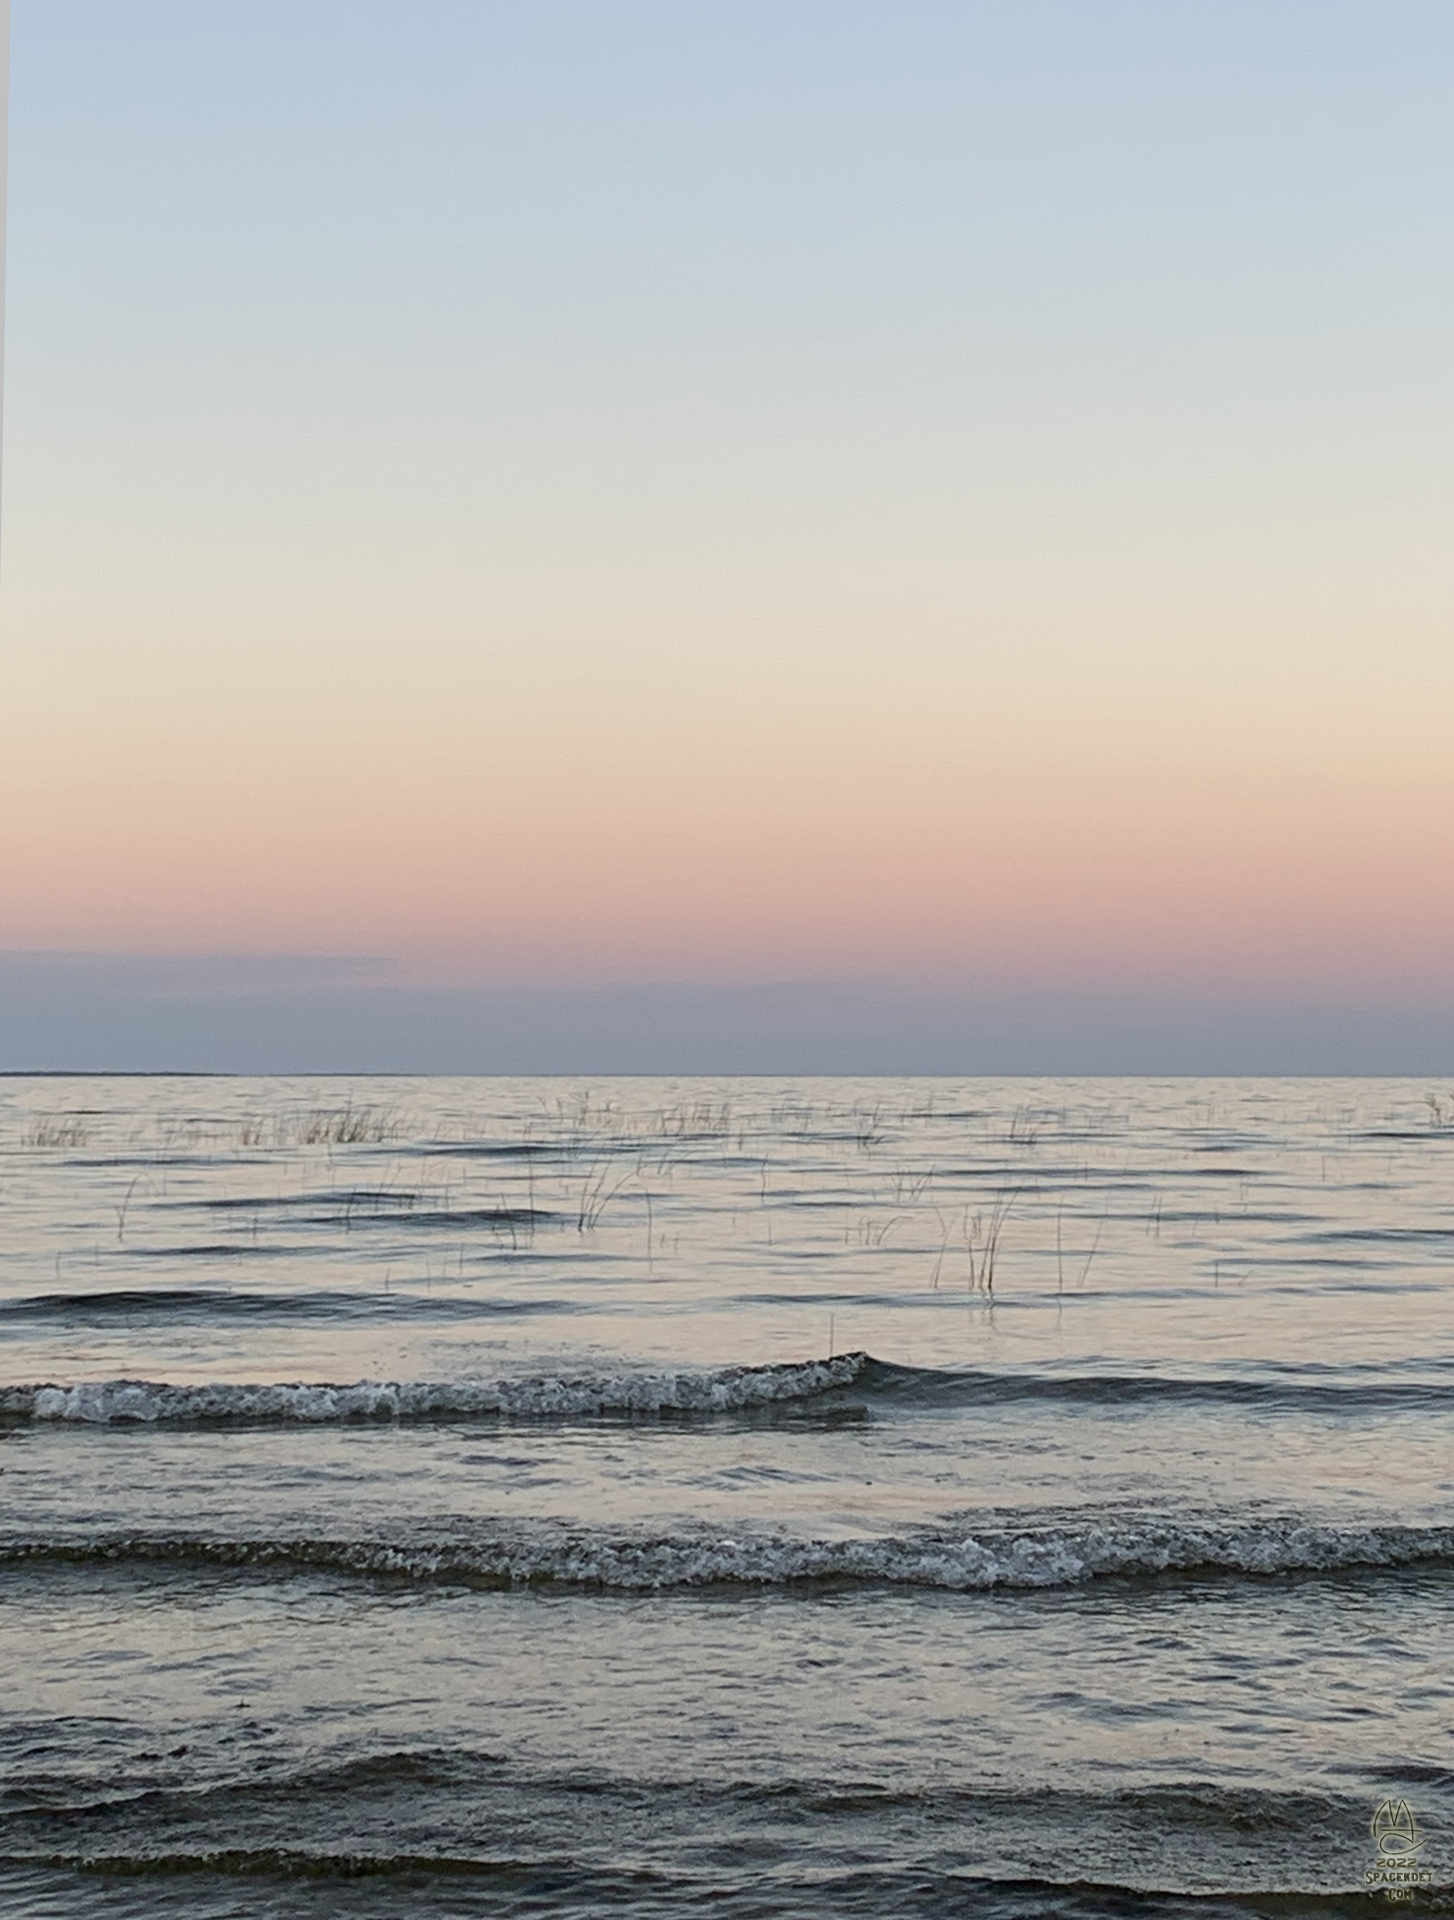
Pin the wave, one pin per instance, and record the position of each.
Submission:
(437, 1886)
(452, 1827)
(855, 1377)
(151, 1403)
(1330, 1389)
(945, 1559)
(437, 1769)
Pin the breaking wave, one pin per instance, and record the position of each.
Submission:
(681, 1391)
(150, 1403)
(950, 1560)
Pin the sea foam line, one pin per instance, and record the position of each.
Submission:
(585, 1559)
(150, 1403)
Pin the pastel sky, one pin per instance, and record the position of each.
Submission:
(580, 494)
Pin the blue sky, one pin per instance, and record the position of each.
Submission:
(934, 501)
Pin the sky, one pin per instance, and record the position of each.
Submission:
(554, 533)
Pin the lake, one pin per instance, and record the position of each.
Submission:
(643, 1497)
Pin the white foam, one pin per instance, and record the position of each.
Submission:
(963, 1562)
(1041, 1558)
(102, 1403)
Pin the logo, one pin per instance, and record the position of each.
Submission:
(1396, 1832)
(1397, 1843)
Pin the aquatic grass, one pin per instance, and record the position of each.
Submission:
(814, 1185)
(347, 1126)
(65, 1130)
(873, 1232)
(982, 1234)
(277, 1132)
(598, 1190)
(125, 1208)
(803, 1120)
(1095, 1247)
(703, 1120)
(910, 1187)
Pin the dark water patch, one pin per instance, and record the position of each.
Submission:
(147, 1162)
(1321, 1263)
(466, 1217)
(488, 1150)
(1421, 1136)
(216, 1250)
(1226, 1217)
(1381, 1236)
(1073, 1173)
(832, 1136)
(895, 1299)
(1339, 1277)
(334, 1199)
(371, 1207)
(200, 1303)
(121, 1303)
(1403, 1773)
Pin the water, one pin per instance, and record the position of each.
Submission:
(454, 1497)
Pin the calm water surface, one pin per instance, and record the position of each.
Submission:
(645, 1497)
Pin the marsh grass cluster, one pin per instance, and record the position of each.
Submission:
(57, 1130)
(993, 1198)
